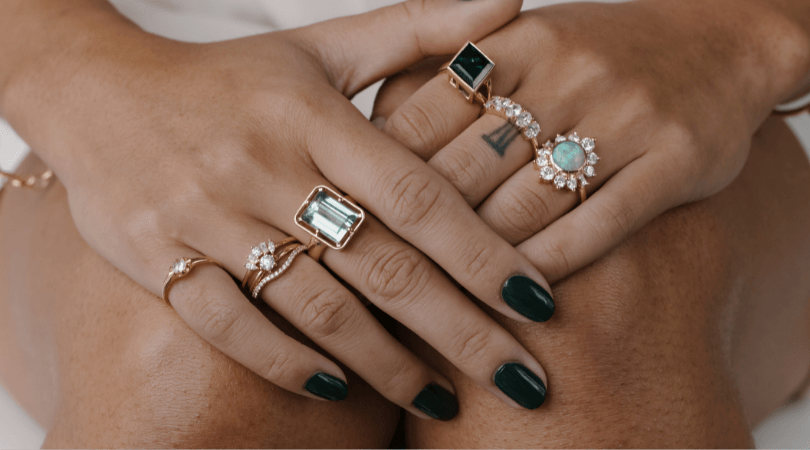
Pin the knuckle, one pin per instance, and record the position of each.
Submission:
(619, 215)
(396, 273)
(461, 168)
(522, 211)
(278, 366)
(414, 126)
(412, 198)
(327, 312)
(217, 320)
(471, 344)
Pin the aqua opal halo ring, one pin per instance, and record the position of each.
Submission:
(469, 73)
(567, 162)
(330, 218)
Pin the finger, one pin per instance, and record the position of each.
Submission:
(398, 88)
(209, 301)
(524, 204)
(423, 208)
(315, 303)
(634, 196)
(404, 283)
(365, 48)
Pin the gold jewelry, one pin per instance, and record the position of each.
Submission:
(181, 268)
(330, 218)
(567, 162)
(469, 71)
(795, 107)
(514, 114)
(40, 181)
(264, 258)
(315, 249)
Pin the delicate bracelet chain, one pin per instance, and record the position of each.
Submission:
(40, 181)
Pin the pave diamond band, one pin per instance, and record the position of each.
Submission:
(266, 257)
(181, 268)
(514, 114)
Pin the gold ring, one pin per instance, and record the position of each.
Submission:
(567, 162)
(469, 71)
(266, 257)
(181, 268)
(514, 114)
(330, 218)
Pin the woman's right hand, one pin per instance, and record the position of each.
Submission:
(172, 150)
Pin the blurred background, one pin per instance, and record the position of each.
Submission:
(213, 20)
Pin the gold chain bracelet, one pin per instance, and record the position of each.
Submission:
(40, 181)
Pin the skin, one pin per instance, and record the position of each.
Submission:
(629, 368)
(666, 123)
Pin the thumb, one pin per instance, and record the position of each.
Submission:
(358, 50)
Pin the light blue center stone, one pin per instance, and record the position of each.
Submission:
(330, 216)
(568, 156)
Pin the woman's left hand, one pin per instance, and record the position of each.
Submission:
(672, 92)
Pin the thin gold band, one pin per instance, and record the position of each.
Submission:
(189, 265)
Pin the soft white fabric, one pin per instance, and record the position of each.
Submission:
(213, 20)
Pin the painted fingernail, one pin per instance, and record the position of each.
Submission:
(437, 402)
(521, 385)
(327, 386)
(528, 298)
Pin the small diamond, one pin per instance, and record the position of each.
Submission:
(524, 119)
(499, 103)
(592, 158)
(263, 247)
(250, 266)
(574, 137)
(179, 266)
(559, 181)
(488, 104)
(513, 110)
(532, 130)
(583, 181)
(589, 171)
(256, 252)
(588, 144)
(271, 247)
(542, 160)
(267, 262)
(253, 259)
(547, 173)
(572, 184)
(559, 139)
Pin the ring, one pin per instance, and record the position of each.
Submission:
(264, 258)
(567, 162)
(181, 268)
(515, 114)
(469, 71)
(330, 218)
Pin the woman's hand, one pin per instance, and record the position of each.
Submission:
(172, 150)
(671, 91)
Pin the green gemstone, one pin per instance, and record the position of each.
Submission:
(471, 66)
(327, 214)
(568, 156)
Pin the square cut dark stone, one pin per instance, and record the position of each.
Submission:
(471, 66)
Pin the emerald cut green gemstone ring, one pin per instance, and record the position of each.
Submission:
(329, 217)
(469, 71)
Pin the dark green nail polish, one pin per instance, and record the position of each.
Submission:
(528, 298)
(437, 402)
(326, 386)
(521, 385)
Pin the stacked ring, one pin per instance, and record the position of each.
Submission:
(181, 268)
(264, 258)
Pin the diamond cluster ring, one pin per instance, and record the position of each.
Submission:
(181, 268)
(268, 261)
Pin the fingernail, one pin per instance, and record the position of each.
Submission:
(528, 298)
(437, 402)
(327, 386)
(521, 385)
(378, 122)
